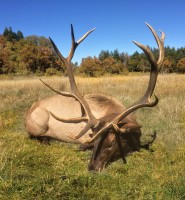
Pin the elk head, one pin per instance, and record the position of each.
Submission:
(116, 136)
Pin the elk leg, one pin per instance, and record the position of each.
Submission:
(42, 139)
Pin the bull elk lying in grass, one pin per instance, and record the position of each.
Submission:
(93, 120)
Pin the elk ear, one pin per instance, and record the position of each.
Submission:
(129, 127)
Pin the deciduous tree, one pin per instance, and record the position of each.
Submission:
(181, 65)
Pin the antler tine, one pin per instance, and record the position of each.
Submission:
(160, 43)
(145, 101)
(58, 52)
(71, 120)
(67, 63)
(67, 94)
(70, 56)
(75, 44)
(85, 35)
(153, 72)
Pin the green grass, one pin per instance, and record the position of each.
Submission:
(29, 170)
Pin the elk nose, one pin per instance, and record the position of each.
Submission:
(94, 167)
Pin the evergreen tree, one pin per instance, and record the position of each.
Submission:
(103, 55)
(19, 35)
(6, 32)
(9, 34)
(115, 55)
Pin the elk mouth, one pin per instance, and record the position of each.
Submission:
(96, 167)
(99, 166)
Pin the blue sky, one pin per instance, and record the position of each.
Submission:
(117, 22)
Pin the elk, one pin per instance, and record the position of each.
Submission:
(94, 120)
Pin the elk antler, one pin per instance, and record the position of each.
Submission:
(145, 101)
(92, 122)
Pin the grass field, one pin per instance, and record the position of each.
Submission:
(29, 170)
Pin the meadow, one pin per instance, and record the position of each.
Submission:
(29, 170)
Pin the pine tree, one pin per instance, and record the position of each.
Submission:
(19, 35)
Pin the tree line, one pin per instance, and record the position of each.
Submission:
(24, 55)
(34, 54)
